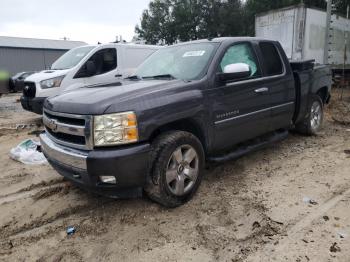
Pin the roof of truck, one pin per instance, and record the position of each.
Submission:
(239, 38)
(230, 39)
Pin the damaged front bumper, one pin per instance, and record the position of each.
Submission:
(129, 165)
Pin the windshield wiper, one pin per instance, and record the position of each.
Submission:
(133, 77)
(160, 76)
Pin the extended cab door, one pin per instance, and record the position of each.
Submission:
(105, 62)
(280, 83)
(241, 108)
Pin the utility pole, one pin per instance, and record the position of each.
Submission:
(328, 36)
(346, 36)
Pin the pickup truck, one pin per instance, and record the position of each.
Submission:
(187, 104)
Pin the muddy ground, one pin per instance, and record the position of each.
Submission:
(251, 209)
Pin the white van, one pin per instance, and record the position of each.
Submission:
(81, 66)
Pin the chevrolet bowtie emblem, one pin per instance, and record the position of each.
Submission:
(52, 125)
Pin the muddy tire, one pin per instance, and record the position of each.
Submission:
(177, 164)
(312, 123)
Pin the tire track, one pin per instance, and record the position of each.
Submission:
(295, 230)
(17, 238)
(28, 192)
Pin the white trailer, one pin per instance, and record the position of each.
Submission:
(302, 33)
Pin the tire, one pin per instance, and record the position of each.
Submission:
(12, 87)
(312, 123)
(177, 165)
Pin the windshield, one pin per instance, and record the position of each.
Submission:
(71, 58)
(17, 75)
(186, 62)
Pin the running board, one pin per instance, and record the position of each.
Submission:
(252, 146)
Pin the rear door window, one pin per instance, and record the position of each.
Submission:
(271, 58)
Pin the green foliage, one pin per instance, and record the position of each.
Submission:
(169, 21)
(4, 75)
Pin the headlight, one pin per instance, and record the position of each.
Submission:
(115, 129)
(53, 82)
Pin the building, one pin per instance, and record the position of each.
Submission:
(29, 54)
(302, 33)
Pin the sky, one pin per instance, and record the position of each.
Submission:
(80, 20)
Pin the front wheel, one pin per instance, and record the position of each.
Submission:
(177, 161)
(314, 117)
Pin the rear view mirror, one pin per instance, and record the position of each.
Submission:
(235, 72)
(91, 68)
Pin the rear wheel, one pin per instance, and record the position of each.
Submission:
(177, 168)
(314, 117)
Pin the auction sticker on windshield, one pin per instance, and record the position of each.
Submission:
(194, 53)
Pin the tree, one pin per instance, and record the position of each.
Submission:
(341, 6)
(182, 20)
(186, 17)
(157, 23)
(169, 21)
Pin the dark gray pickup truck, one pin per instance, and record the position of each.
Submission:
(208, 100)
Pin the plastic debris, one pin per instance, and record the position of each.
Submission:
(334, 248)
(342, 235)
(28, 152)
(309, 201)
(70, 230)
(256, 225)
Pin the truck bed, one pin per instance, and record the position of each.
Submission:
(308, 79)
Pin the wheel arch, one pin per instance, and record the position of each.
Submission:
(187, 124)
(323, 94)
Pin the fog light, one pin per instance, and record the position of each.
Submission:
(108, 179)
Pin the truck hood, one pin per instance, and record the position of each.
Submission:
(46, 74)
(126, 95)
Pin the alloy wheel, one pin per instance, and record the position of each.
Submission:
(182, 170)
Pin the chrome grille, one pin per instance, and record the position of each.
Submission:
(70, 130)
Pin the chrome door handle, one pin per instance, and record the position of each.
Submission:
(261, 90)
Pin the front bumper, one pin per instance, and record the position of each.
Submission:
(33, 104)
(128, 164)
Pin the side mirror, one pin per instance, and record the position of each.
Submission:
(91, 68)
(235, 72)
